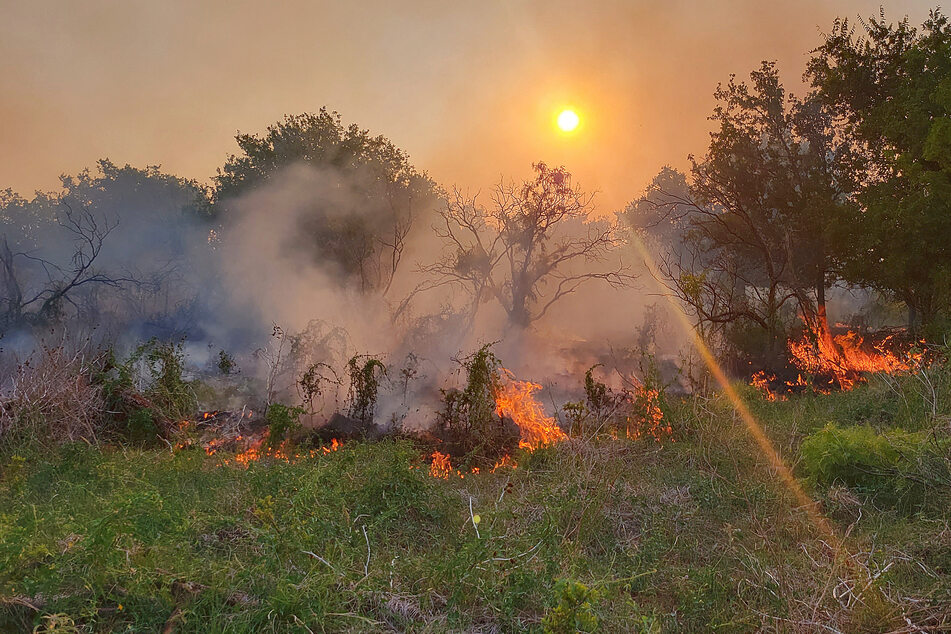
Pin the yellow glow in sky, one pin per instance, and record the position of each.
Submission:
(568, 120)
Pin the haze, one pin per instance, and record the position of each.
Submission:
(468, 89)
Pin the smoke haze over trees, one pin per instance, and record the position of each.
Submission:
(795, 197)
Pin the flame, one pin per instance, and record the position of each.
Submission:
(506, 461)
(514, 399)
(441, 466)
(845, 357)
(842, 359)
(763, 381)
(649, 419)
(255, 450)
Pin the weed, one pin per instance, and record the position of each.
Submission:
(364, 386)
(896, 467)
(226, 364)
(574, 611)
(283, 424)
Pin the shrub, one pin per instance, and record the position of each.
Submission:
(574, 611)
(148, 390)
(469, 419)
(364, 386)
(312, 383)
(53, 396)
(283, 422)
(635, 411)
(896, 467)
(163, 377)
(226, 363)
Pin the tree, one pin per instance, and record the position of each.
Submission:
(366, 240)
(116, 228)
(750, 232)
(533, 246)
(25, 303)
(889, 86)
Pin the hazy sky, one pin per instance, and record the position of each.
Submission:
(469, 89)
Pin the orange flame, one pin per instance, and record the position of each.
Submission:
(255, 451)
(842, 358)
(441, 466)
(846, 357)
(649, 419)
(514, 399)
(506, 461)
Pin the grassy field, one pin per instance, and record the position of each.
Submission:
(595, 533)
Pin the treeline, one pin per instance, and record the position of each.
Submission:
(153, 237)
(848, 185)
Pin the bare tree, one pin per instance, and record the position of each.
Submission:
(26, 301)
(533, 246)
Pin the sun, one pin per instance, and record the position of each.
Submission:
(568, 120)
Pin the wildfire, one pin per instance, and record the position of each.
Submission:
(506, 461)
(839, 359)
(441, 466)
(650, 419)
(845, 357)
(514, 399)
(334, 446)
(255, 449)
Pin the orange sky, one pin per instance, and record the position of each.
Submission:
(469, 89)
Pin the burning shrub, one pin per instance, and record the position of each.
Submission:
(469, 420)
(54, 396)
(633, 411)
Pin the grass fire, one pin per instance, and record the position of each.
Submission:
(585, 333)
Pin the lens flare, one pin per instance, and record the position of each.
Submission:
(769, 451)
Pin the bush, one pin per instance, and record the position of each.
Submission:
(895, 467)
(635, 412)
(147, 392)
(53, 396)
(226, 364)
(364, 386)
(469, 419)
(283, 422)
(574, 611)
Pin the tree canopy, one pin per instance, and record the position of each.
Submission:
(889, 86)
(387, 194)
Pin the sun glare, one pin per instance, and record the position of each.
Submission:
(568, 120)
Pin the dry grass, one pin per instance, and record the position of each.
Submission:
(52, 396)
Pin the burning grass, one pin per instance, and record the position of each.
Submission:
(515, 400)
(244, 524)
(823, 361)
(691, 536)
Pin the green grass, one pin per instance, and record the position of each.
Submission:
(695, 535)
